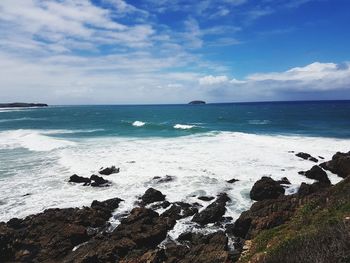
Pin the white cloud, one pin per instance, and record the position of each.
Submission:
(213, 80)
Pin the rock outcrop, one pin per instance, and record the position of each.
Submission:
(340, 164)
(109, 170)
(266, 188)
(213, 212)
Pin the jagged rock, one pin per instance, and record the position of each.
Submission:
(313, 159)
(206, 198)
(180, 210)
(266, 188)
(340, 164)
(213, 212)
(109, 170)
(98, 181)
(264, 214)
(284, 180)
(152, 195)
(233, 180)
(52, 234)
(79, 179)
(163, 205)
(316, 173)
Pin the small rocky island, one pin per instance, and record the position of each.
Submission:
(197, 102)
(22, 105)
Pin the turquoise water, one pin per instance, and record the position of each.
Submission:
(328, 119)
(202, 146)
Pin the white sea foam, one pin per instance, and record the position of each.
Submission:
(183, 126)
(138, 123)
(31, 140)
(201, 165)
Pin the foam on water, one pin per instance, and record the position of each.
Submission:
(31, 140)
(138, 123)
(183, 126)
(201, 165)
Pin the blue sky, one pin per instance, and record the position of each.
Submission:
(162, 51)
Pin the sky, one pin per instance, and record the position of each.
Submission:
(173, 51)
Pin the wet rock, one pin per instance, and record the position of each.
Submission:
(233, 180)
(180, 210)
(163, 205)
(166, 179)
(316, 173)
(307, 156)
(340, 164)
(109, 170)
(213, 212)
(266, 188)
(98, 181)
(206, 198)
(284, 180)
(313, 159)
(152, 195)
(51, 235)
(303, 155)
(79, 179)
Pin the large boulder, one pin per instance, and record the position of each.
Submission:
(152, 195)
(213, 212)
(316, 173)
(340, 164)
(266, 188)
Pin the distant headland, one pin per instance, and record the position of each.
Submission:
(196, 102)
(21, 105)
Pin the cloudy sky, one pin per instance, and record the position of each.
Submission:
(173, 51)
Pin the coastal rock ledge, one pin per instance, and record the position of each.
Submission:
(312, 225)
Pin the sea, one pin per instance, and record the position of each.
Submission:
(201, 146)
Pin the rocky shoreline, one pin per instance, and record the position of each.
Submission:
(312, 225)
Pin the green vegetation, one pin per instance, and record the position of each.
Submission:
(318, 232)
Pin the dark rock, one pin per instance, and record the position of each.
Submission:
(152, 195)
(321, 157)
(302, 155)
(340, 164)
(109, 170)
(266, 188)
(163, 205)
(166, 179)
(284, 180)
(180, 210)
(213, 212)
(313, 159)
(316, 173)
(98, 181)
(206, 198)
(264, 214)
(51, 235)
(232, 181)
(79, 179)
(308, 189)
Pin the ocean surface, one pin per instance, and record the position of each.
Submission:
(202, 146)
